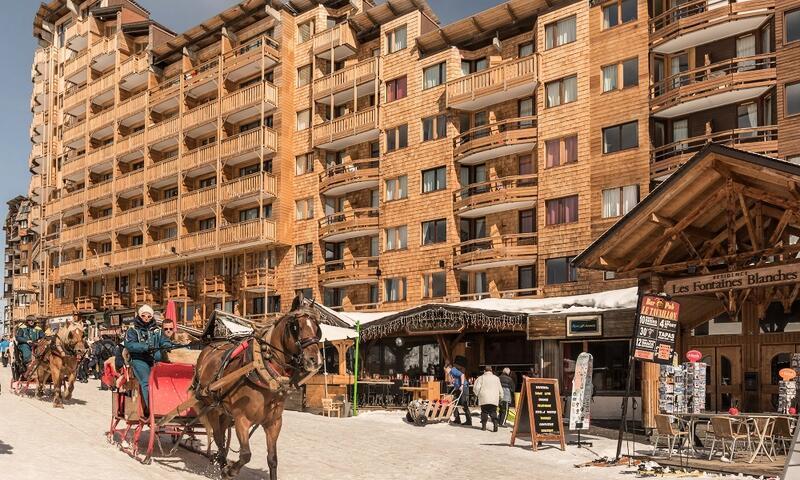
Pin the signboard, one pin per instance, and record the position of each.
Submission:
(539, 412)
(724, 281)
(656, 329)
(585, 326)
(581, 399)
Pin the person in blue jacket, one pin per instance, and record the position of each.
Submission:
(26, 338)
(461, 384)
(145, 343)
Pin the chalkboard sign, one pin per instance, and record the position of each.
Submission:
(656, 329)
(539, 412)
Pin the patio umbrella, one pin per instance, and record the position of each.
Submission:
(171, 312)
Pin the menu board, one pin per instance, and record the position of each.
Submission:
(539, 413)
(656, 329)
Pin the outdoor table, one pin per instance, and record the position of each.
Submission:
(761, 433)
(416, 391)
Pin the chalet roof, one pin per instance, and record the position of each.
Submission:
(372, 18)
(508, 16)
(51, 12)
(686, 219)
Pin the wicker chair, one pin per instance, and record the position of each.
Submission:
(729, 430)
(674, 429)
(782, 432)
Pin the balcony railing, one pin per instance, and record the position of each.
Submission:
(257, 183)
(73, 165)
(179, 290)
(97, 155)
(349, 272)
(162, 169)
(350, 223)
(667, 158)
(340, 38)
(75, 95)
(162, 248)
(166, 88)
(345, 126)
(144, 295)
(162, 208)
(708, 80)
(506, 193)
(249, 96)
(75, 64)
(73, 199)
(101, 119)
(101, 189)
(114, 300)
(102, 84)
(476, 89)
(87, 304)
(194, 242)
(129, 217)
(215, 286)
(106, 45)
(249, 231)
(500, 138)
(200, 156)
(163, 129)
(203, 113)
(132, 105)
(130, 143)
(249, 141)
(694, 15)
(128, 256)
(204, 197)
(22, 283)
(99, 226)
(75, 131)
(346, 78)
(348, 177)
(134, 64)
(258, 279)
(505, 250)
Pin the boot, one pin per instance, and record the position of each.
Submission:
(494, 426)
(483, 426)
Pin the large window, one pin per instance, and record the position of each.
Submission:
(619, 201)
(793, 98)
(629, 78)
(303, 119)
(304, 163)
(562, 91)
(304, 254)
(396, 238)
(304, 75)
(396, 89)
(434, 128)
(621, 137)
(394, 289)
(560, 270)
(396, 39)
(397, 188)
(305, 31)
(434, 285)
(561, 151)
(434, 179)
(304, 209)
(562, 210)
(609, 364)
(396, 138)
(434, 75)
(792, 23)
(559, 33)
(620, 11)
(434, 231)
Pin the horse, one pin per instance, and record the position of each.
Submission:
(58, 359)
(289, 355)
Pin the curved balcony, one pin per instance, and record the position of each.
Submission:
(698, 22)
(258, 280)
(338, 180)
(507, 81)
(505, 137)
(347, 130)
(500, 195)
(713, 85)
(494, 252)
(354, 271)
(667, 158)
(358, 222)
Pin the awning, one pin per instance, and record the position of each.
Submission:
(59, 320)
(330, 333)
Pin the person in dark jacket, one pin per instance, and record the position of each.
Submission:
(509, 387)
(461, 392)
(145, 343)
(26, 338)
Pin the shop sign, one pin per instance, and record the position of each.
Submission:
(724, 281)
(585, 326)
(656, 329)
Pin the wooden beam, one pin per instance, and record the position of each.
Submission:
(757, 194)
(785, 218)
(511, 13)
(666, 222)
(663, 252)
(748, 222)
(477, 25)
(391, 7)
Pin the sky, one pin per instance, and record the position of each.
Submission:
(16, 26)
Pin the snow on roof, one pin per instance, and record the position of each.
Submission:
(625, 298)
(330, 332)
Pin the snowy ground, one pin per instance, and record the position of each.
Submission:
(37, 440)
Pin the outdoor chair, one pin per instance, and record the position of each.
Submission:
(782, 433)
(673, 429)
(329, 407)
(729, 430)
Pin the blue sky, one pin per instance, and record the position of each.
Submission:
(15, 34)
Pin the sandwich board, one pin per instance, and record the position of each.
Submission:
(539, 415)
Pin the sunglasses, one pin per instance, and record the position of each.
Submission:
(169, 329)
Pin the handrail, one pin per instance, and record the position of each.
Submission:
(692, 8)
(499, 126)
(347, 264)
(507, 240)
(353, 166)
(339, 217)
(496, 185)
(712, 71)
(498, 75)
(734, 136)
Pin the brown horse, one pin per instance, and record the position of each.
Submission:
(290, 354)
(58, 361)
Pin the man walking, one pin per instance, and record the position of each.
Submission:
(509, 387)
(490, 392)
(460, 383)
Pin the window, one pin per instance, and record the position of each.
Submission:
(526, 278)
(527, 221)
(434, 285)
(396, 138)
(305, 31)
(397, 188)
(792, 22)
(304, 75)
(559, 33)
(434, 128)
(620, 137)
(396, 238)
(394, 289)
(561, 151)
(434, 179)
(248, 170)
(396, 39)
(207, 224)
(621, 11)
(303, 119)
(630, 72)
(304, 163)
(562, 91)
(619, 201)
(170, 193)
(105, 247)
(526, 49)
(248, 214)
(473, 66)
(396, 89)
(560, 270)
(304, 254)
(562, 210)
(137, 240)
(793, 98)
(207, 182)
(304, 209)
(434, 231)
(610, 78)
(434, 75)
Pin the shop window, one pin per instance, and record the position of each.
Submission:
(560, 270)
(562, 210)
(560, 32)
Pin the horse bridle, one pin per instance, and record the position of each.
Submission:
(293, 361)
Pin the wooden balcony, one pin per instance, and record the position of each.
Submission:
(87, 304)
(106, 45)
(98, 121)
(179, 290)
(162, 169)
(338, 180)
(258, 230)
(164, 129)
(353, 223)
(161, 209)
(249, 141)
(500, 195)
(505, 137)
(142, 295)
(195, 242)
(258, 280)
(130, 180)
(248, 58)
(697, 22)
(99, 226)
(216, 286)
(132, 105)
(335, 43)
(71, 268)
(714, 85)
(507, 81)
(75, 132)
(75, 64)
(354, 271)
(198, 199)
(99, 155)
(200, 156)
(250, 97)
(130, 143)
(347, 78)
(206, 72)
(494, 252)
(199, 115)
(667, 158)
(99, 190)
(128, 256)
(73, 165)
(259, 183)
(75, 97)
(130, 217)
(72, 234)
(162, 248)
(134, 64)
(347, 130)
(22, 283)
(167, 88)
(114, 300)
(101, 85)
(72, 200)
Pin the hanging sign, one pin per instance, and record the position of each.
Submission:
(581, 399)
(694, 355)
(539, 413)
(724, 281)
(787, 374)
(656, 329)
